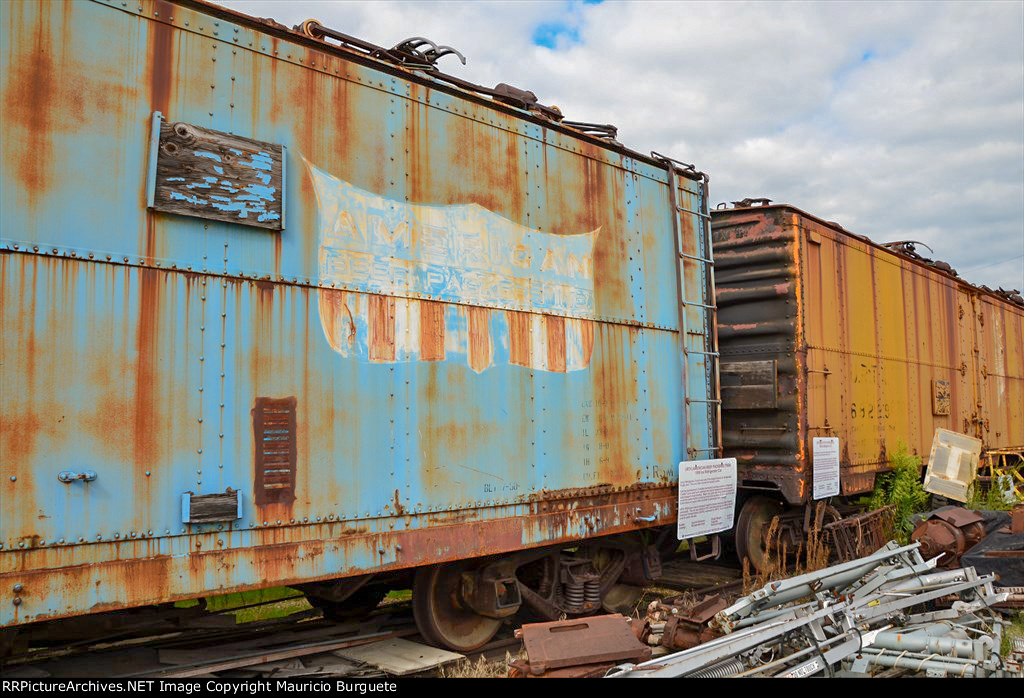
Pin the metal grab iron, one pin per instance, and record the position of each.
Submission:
(68, 476)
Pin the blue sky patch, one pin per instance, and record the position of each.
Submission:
(548, 34)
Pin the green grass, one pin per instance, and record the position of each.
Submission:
(1016, 630)
(289, 601)
(995, 498)
(901, 487)
(397, 596)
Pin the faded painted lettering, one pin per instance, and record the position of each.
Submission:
(445, 269)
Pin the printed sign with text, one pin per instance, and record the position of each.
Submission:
(825, 454)
(707, 497)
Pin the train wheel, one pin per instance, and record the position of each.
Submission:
(441, 616)
(757, 512)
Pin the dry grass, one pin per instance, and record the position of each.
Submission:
(482, 668)
(807, 558)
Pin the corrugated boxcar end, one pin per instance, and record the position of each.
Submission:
(175, 355)
(820, 336)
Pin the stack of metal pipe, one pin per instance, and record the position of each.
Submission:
(891, 609)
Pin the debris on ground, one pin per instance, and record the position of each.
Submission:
(400, 657)
(854, 618)
(578, 647)
(676, 623)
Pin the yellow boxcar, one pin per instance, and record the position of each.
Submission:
(824, 333)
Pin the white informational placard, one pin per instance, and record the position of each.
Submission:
(707, 497)
(825, 459)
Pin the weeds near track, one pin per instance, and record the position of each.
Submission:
(812, 554)
(902, 488)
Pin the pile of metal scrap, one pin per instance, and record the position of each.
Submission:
(861, 615)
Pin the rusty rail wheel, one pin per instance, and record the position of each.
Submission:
(442, 617)
(756, 514)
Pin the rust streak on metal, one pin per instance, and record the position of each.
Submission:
(519, 337)
(432, 330)
(479, 338)
(587, 332)
(382, 328)
(555, 328)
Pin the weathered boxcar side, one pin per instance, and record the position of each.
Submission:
(826, 334)
(442, 328)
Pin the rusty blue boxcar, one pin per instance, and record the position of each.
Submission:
(284, 308)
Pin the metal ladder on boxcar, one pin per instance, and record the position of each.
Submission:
(710, 324)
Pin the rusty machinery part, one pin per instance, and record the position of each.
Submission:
(571, 583)
(413, 53)
(744, 203)
(792, 530)
(682, 167)
(907, 247)
(460, 605)
(673, 624)
(751, 201)
(443, 616)
(860, 535)
(410, 54)
(949, 533)
(606, 131)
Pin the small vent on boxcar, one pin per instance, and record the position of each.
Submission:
(273, 424)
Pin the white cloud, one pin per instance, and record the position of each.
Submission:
(896, 120)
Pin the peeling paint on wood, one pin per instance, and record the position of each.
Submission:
(211, 174)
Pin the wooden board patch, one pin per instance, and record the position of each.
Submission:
(195, 171)
(206, 508)
(749, 385)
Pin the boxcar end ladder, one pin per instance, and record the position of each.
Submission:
(710, 324)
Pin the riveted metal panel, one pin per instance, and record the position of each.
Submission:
(512, 379)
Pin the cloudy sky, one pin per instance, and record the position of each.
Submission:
(899, 121)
